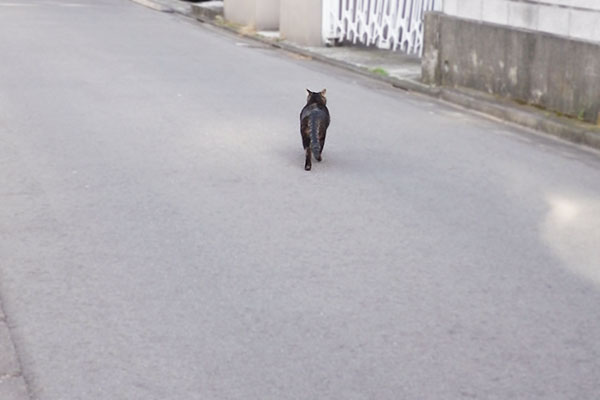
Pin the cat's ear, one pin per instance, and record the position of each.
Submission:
(323, 92)
(308, 91)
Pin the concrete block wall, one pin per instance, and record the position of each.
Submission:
(554, 72)
(578, 19)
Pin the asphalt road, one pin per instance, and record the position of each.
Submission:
(159, 238)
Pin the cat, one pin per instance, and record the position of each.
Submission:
(314, 121)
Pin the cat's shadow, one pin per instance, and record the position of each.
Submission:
(332, 160)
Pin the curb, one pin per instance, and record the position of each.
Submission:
(154, 5)
(203, 12)
(543, 121)
(404, 84)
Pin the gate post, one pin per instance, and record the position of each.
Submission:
(259, 14)
(301, 21)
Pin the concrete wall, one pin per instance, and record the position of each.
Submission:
(301, 21)
(578, 19)
(259, 14)
(551, 71)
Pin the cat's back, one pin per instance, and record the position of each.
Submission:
(316, 110)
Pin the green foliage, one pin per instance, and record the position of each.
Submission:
(380, 71)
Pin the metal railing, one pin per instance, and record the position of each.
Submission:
(387, 24)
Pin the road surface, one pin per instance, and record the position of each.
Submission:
(160, 239)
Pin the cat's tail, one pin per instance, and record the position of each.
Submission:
(313, 126)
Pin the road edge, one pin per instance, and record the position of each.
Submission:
(154, 5)
(13, 385)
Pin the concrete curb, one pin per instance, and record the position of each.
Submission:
(505, 109)
(404, 84)
(527, 116)
(154, 5)
(205, 12)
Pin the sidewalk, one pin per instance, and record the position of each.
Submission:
(399, 70)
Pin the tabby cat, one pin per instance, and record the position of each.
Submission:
(314, 120)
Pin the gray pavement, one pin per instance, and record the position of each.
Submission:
(159, 238)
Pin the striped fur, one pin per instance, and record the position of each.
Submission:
(314, 121)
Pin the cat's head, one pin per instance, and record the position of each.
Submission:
(316, 97)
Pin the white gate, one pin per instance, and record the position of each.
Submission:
(388, 24)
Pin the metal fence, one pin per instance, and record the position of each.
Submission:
(387, 24)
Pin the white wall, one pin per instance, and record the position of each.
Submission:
(301, 21)
(260, 14)
(579, 19)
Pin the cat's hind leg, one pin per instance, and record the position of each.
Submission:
(308, 162)
(306, 145)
